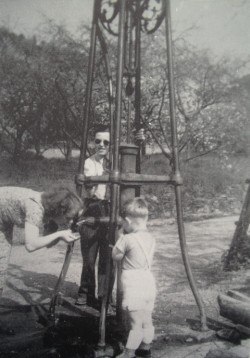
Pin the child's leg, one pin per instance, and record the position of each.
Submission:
(148, 328)
(135, 333)
(148, 335)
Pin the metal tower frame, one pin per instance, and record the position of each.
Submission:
(133, 17)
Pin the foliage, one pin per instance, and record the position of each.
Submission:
(43, 89)
(210, 188)
(211, 110)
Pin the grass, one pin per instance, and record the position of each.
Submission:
(38, 174)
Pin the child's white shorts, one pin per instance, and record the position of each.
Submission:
(138, 289)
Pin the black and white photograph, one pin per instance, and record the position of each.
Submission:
(124, 178)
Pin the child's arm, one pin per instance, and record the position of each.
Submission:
(117, 254)
(119, 249)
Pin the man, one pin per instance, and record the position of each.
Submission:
(95, 238)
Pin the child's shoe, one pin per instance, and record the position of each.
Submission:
(143, 353)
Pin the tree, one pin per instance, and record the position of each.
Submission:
(207, 110)
(18, 100)
(67, 67)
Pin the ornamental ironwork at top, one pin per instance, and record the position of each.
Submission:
(150, 14)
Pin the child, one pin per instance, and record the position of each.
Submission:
(135, 250)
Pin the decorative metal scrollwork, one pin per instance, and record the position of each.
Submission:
(109, 10)
(151, 14)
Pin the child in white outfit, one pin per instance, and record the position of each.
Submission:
(135, 250)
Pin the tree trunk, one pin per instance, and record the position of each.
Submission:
(18, 147)
(68, 154)
(37, 136)
(143, 149)
(237, 250)
(38, 148)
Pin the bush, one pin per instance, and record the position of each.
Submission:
(210, 186)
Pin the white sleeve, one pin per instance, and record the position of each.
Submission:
(89, 168)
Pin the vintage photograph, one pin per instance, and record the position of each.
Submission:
(124, 178)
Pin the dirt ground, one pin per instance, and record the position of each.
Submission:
(32, 277)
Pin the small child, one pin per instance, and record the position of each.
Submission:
(135, 250)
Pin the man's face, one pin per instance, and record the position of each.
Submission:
(102, 140)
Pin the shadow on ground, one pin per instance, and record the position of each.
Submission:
(31, 287)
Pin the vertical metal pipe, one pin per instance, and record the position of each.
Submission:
(138, 66)
(90, 77)
(115, 169)
(176, 169)
(128, 154)
(130, 52)
(119, 77)
(138, 83)
(110, 83)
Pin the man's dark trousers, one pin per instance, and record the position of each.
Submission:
(94, 238)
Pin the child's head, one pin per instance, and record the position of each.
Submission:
(135, 214)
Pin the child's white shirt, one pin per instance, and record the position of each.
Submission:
(137, 249)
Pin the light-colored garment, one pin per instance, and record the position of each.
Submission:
(94, 167)
(137, 281)
(138, 290)
(17, 206)
(134, 246)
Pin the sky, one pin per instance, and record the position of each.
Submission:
(222, 26)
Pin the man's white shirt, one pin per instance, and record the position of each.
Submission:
(94, 167)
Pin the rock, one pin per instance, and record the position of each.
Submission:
(238, 296)
(231, 335)
(243, 330)
(235, 310)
